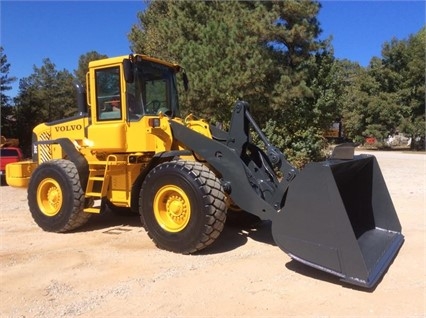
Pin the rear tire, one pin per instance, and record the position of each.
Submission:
(182, 206)
(55, 197)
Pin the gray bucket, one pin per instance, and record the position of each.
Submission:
(339, 217)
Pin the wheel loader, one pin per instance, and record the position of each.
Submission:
(128, 148)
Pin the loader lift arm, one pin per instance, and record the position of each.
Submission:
(247, 172)
(239, 138)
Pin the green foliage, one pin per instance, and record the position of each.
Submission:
(301, 146)
(8, 120)
(388, 96)
(213, 41)
(5, 79)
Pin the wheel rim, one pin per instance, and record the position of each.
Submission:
(172, 208)
(49, 197)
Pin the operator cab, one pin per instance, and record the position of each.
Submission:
(133, 87)
(150, 87)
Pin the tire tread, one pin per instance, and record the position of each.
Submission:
(77, 217)
(213, 197)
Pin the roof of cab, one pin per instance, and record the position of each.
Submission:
(119, 59)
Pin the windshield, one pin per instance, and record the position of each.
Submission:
(152, 91)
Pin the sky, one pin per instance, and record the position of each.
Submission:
(64, 30)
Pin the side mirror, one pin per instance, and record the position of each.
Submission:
(128, 70)
(185, 81)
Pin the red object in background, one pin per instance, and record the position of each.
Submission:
(370, 140)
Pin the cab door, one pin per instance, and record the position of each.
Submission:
(108, 128)
(146, 97)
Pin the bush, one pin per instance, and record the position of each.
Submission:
(300, 147)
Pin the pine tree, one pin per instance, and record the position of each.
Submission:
(6, 80)
(8, 118)
(262, 52)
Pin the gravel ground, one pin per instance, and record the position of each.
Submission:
(111, 268)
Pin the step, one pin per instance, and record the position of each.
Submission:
(93, 194)
(92, 210)
(96, 178)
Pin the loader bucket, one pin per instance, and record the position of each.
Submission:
(338, 217)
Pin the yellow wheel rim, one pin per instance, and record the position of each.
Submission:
(49, 197)
(172, 208)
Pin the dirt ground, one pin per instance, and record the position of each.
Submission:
(111, 268)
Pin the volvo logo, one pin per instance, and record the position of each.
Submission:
(68, 128)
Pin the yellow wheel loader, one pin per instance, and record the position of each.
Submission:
(129, 149)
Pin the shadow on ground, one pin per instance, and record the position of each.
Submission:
(234, 236)
(108, 219)
(236, 232)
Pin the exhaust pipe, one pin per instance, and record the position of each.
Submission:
(81, 98)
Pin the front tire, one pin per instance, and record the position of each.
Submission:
(55, 197)
(182, 206)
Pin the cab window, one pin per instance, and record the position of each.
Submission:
(156, 95)
(152, 91)
(108, 96)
